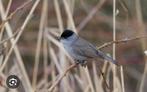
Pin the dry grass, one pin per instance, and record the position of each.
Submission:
(51, 69)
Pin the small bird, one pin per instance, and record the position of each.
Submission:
(81, 50)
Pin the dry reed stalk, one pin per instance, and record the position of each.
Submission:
(39, 41)
(62, 62)
(97, 79)
(7, 39)
(79, 80)
(122, 78)
(58, 65)
(61, 77)
(90, 15)
(69, 14)
(115, 87)
(125, 40)
(103, 76)
(71, 4)
(7, 11)
(45, 57)
(53, 73)
(58, 14)
(61, 55)
(141, 31)
(89, 79)
(2, 27)
(10, 17)
(9, 31)
(13, 13)
(83, 78)
(53, 57)
(8, 7)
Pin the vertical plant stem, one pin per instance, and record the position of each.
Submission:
(97, 79)
(39, 42)
(141, 31)
(122, 79)
(90, 14)
(58, 14)
(45, 48)
(69, 14)
(89, 79)
(114, 46)
(45, 59)
(8, 7)
(14, 45)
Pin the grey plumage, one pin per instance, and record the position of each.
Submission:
(80, 49)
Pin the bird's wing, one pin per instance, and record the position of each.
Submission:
(84, 48)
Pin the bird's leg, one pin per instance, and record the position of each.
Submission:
(82, 62)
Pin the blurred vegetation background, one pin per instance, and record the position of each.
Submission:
(93, 20)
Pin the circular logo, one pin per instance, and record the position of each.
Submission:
(13, 81)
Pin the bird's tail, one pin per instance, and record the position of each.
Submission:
(106, 57)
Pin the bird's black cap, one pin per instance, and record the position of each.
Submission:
(67, 33)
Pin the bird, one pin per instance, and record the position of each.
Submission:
(80, 49)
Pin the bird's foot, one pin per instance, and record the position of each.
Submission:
(83, 63)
